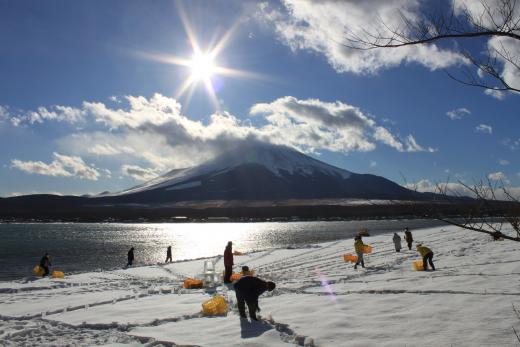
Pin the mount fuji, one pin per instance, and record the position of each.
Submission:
(261, 171)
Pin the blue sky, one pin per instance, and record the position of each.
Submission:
(89, 99)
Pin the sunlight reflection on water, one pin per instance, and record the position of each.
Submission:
(85, 247)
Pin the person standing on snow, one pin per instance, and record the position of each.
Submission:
(358, 246)
(247, 291)
(130, 257)
(397, 242)
(45, 262)
(408, 237)
(169, 254)
(228, 262)
(427, 255)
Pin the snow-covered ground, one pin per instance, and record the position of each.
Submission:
(319, 301)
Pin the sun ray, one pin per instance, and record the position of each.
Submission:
(203, 65)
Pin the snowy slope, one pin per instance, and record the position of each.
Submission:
(319, 301)
(276, 159)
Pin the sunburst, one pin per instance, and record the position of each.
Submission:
(203, 65)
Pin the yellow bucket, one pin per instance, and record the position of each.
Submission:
(58, 274)
(38, 271)
(418, 265)
(215, 305)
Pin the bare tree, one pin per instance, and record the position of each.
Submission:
(497, 18)
(485, 212)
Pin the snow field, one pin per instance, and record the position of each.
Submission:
(319, 301)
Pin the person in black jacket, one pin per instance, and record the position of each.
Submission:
(169, 254)
(45, 262)
(130, 256)
(247, 290)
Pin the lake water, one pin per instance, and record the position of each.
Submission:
(78, 247)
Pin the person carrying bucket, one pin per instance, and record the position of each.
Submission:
(45, 262)
(408, 237)
(427, 256)
(397, 242)
(228, 262)
(358, 246)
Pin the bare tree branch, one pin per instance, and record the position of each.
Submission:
(500, 20)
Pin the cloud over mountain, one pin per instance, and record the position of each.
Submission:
(153, 135)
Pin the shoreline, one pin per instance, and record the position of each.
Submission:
(319, 299)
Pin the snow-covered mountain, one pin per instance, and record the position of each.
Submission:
(260, 171)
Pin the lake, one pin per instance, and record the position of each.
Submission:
(82, 247)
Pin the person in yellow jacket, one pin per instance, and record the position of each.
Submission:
(358, 247)
(427, 256)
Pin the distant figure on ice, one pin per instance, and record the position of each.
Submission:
(397, 242)
(45, 262)
(408, 237)
(169, 254)
(247, 290)
(427, 256)
(358, 246)
(228, 262)
(130, 257)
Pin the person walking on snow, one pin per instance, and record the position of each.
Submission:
(358, 246)
(169, 254)
(427, 256)
(397, 242)
(247, 291)
(45, 262)
(130, 257)
(228, 262)
(408, 237)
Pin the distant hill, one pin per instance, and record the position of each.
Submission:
(252, 176)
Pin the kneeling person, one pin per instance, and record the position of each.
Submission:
(247, 290)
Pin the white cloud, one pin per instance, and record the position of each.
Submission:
(56, 113)
(4, 114)
(154, 133)
(497, 176)
(373, 163)
(497, 94)
(458, 113)
(383, 135)
(62, 165)
(459, 189)
(322, 27)
(336, 126)
(503, 162)
(506, 46)
(413, 146)
(483, 128)
(450, 188)
(511, 143)
(139, 173)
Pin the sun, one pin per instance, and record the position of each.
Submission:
(202, 67)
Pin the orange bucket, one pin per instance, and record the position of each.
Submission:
(190, 283)
(350, 258)
(367, 249)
